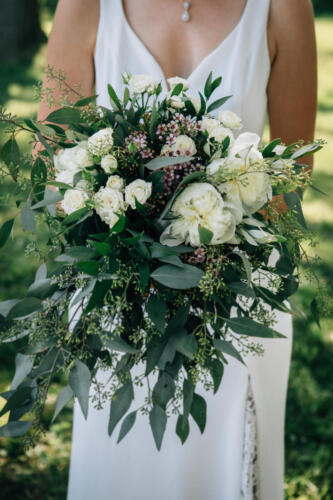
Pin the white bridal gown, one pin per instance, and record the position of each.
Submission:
(241, 452)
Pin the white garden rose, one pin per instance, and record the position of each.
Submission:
(196, 103)
(139, 189)
(109, 202)
(74, 199)
(142, 83)
(66, 176)
(220, 133)
(115, 182)
(109, 164)
(185, 145)
(73, 159)
(175, 80)
(230, 120)
(200, 204)
(100, 144)
(209, 124)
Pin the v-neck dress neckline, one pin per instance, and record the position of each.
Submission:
(140, 45)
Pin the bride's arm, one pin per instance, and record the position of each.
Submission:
(71, 46)
(292, 88)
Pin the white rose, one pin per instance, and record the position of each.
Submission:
(175, 80)
(176, 101)
(66, 176)
(109, 164)
(209, 124)
(230, 120)
(115, 182)
(74, 159)
(184, 145)
(220, 133)
(101, 143)
(108, 202)
(74, 199)
(142, 83)
(215, 166)
(246, 146)
(222, 223)
(139, 189)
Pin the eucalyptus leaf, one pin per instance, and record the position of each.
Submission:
(228, 348)
(23, 365)
(15, 428)
(5, 231)
(126, 425)
(199, 411)
(182, 428)
(156, 309)
(64, 396)
(158, 422)
(175, 277)
(79, 380)
(166, 161)
(119, 406)
(247, 326)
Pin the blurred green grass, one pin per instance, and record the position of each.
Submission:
(43, 471)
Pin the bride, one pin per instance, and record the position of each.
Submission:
(265, 51)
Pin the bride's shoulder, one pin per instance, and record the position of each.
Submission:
(289, 23)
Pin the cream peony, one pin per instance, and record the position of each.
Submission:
(109, 164)
(220, 133)
(109, 202)
(100, 144)
(139, 189)
(175, 80)
(230, 120)
(115, 182)
(209, 124)
(143, 83)
(183, 145)
(176, 101)
(74, 199)
(200, 204)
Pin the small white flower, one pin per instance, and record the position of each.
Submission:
(115, 182)
(176, 101)
(139, 189)
(185, 145)
(74, 199)
(209, 124)
(279, 149)
(100, 144)
(109, 202)
(109, 164)
(175, 80)
(230, 120)
(73, 159)
(142, 83)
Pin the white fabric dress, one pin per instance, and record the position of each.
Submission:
(240, 455)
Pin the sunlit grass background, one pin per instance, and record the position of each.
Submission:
(43, 472)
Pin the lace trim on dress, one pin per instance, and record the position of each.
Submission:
(250, 487)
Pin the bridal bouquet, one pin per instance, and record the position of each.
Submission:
(157, 234)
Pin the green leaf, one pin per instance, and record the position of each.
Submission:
(242, 289)
(97, 297)
(64, 396)
(5, 231)
(166, 161)
(315, 311)
(188, 391)
(144, 272)
(115, 102)
(50, 197)
(158, 421)
(119, 225)
(119, 406)
(218, 103)
(267, 152)
(199, 411)
(172, 259)
(38, 171)
(65, 116)
(74, 216)
(205, 235)
(7, 305)
(101, 247)
(118, 344)
(164, 389)
(19, 397)
(90, 267)
(155, 349)
(180, 279)
(41, 272)
(23, 364)
(184, 343)
(216, 369)
(207, 87)
(15, 428)
(81, 253)
(307, 150)
(85, 101)
(182, 428)
(177, 89)
(28, 217)
(42, 288)
(79, 380)
(246, 326)
(190, 108)
(24, 308)
(228, 348)
(246, 264)
(156, 309)
(10, 152)
(126, 425)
